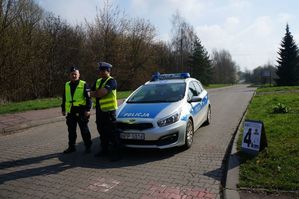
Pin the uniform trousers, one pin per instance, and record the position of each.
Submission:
(72, 119)
(106, 126)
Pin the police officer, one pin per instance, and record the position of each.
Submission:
(104, 90)
(76, 105)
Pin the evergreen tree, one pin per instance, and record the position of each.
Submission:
(201, 65)
(288, 66)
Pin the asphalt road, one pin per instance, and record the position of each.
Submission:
(32, 166)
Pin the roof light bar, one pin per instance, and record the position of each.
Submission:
(158, 76)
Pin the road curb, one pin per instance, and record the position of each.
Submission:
(232, 177)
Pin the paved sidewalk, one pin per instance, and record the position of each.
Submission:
(13, 122)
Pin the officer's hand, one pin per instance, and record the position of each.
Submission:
(93, 94)
(63, 113)
(87, 114)
(101, 92)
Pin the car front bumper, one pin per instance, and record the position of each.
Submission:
(156, 137)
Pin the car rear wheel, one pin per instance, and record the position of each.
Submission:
(189, 134)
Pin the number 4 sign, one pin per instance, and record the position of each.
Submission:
(254, 137)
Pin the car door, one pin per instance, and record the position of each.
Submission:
(203, 107)
(195, 106)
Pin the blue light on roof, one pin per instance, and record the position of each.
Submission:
(158, 76)
(185, 75)
(155, 76)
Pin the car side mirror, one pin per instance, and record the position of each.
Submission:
(195, 99)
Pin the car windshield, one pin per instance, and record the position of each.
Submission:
(157, 93)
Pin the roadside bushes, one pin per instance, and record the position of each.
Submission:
(280, 108)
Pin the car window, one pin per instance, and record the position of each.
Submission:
(198, 87)
(156, 93)
(192, 91)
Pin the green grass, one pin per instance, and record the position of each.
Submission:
(30, 105)
(123, 94)
(276, 167)
(217, 86)
(277, 88)
(42, 104)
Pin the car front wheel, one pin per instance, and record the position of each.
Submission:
(189, 134)
(209, 116)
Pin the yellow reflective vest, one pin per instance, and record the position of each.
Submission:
(78, 97)
(109, 101)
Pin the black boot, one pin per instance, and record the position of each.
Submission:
(71, 149)
(88, 148)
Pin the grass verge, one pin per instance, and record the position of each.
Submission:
(217, 86)
(30, 105)
(278, 88)
(276, 167)
(41, 104)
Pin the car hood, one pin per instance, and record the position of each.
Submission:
(149, 111)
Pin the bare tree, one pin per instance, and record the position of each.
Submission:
(28, 22)
(139, 50)
(109, 23)
(164, 58)
(18, 26)
(105, 37)
(34, 50)
(8, 14)
(225, 69)
(182, 41)
(63, 48)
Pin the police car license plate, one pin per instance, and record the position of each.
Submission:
(132, 136)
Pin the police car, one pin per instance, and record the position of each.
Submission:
(164, 112)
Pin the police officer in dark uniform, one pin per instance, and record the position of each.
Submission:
(104, 90)
(76, 105)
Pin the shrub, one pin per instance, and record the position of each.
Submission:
(280, 108)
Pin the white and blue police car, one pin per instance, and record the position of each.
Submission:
(164, 112)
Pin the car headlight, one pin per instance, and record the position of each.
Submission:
(169, 120)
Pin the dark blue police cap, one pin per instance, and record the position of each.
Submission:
(73, 68)
(104, 66)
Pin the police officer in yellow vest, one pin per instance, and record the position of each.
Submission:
(76, 105)
(104, 90)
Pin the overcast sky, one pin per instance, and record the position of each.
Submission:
(251, 30)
